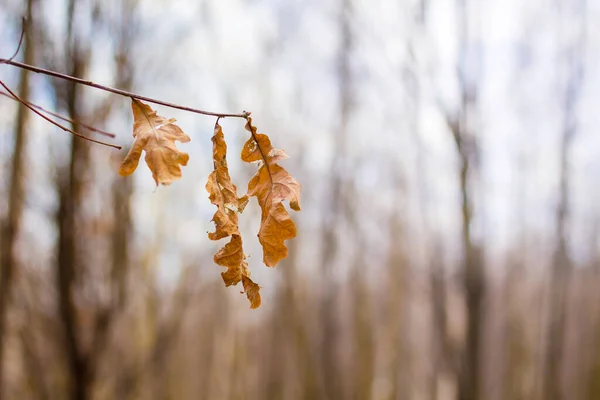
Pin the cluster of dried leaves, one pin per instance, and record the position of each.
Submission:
(271, 185)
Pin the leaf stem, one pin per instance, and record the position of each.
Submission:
(120, 92)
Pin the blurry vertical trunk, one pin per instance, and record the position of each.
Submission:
(277, 352)
(334, 206)
(160, 363)
(11, 226)
(121, 190)
(219, 340)
(397, 315)
(462, 127)
(559, 279)
(443, 352)
(592, 385)
(517, 352)
(290, 350)
(294, 308)
(70, 188)
(283, 331)
(426, 253)
(473, 279)
(34, 368)
(121, 241)
(72, 220)
(362, 329)
(281, 320)
(560, 275)
(514, 346)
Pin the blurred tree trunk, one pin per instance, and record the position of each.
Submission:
(397, 315)
(593, 373)
(463, 132)
(362, 328)
(70, 195)
(12, 224)
(473, 283)
(332, 217)
(167, 333)
(70, 184)
(294, 312)
(35, 373)
(122, 191)
(473, 278)
(517, 351)
(560, 276)
(443, 350)
(277, 359)
(73, 222)
(592, 384)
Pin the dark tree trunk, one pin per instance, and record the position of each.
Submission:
(11, 226)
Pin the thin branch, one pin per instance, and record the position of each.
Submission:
(54, 122)
(32, 68)
(20, 41)
(88, 127)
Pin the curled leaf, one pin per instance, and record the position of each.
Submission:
(271, 185)
(156, 136)
(259, 148)
(252, 292)
(223, 193)
(232, 256)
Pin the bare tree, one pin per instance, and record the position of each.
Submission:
(562, 265)
(330, 242)
(12, 224)
(462, 126)
(73, 182)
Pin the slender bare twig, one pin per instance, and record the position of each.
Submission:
(20, 41)
(54, 122)
(88, 127)
(244, 114)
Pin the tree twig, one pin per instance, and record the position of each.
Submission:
(54, 122)
(244, 114)
(88, 127)
(20, 41)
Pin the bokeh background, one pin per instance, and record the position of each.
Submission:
(448, 246)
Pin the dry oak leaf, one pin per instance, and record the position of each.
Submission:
(156, 136)
(271, 185)
(252, 292)
(221, 191)
(232, 256)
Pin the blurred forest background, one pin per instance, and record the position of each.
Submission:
(448, 246)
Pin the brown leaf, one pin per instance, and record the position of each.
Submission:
(252, 292)
(274, 184)
(271, 185)
(232, 256)
(156, 136)
(222, 192)
(259, 148)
